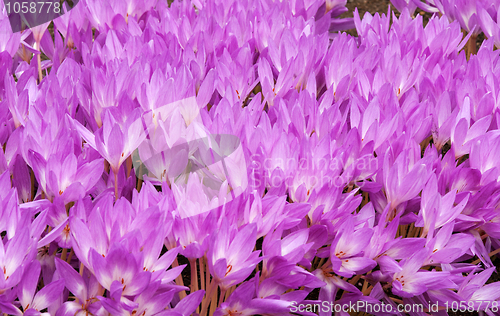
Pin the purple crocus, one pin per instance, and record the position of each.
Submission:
(33, 303)
(232, 259)
(119, 271)
(347, 254)
(408, 280)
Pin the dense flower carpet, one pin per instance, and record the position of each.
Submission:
(249, 157)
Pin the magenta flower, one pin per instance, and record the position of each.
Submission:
(232, 259)
(474, 289)
(85, 289)
(66, 178)
(466, 14)
(292, 247)
(347, 254)
(113, 141)
(447, 247)
(408, 280)
(439, 210)
(482, 157)
(401, 5)
(372, 158)
(119, 271)
(404, 175)
(245, 301)
(14, 256)
(33, 303)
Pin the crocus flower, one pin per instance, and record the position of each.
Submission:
(71, 22)
(33, 303)
(334, 283)
(85, 290)
(119, 271)
(114, 142)
(186, 306)
(463, 133)
(292, 247)
(444, 245)
(347, 254)
(466, 14)
(368, 152)
(244, 301)
(439, 210)
(402, 4)
(14, 256)
(65, 177)
(408, 281)
(482, 157)
(398, 172)
(231, 259)
(474, 289)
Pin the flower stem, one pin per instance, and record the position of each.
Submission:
(178, 280)
(367, 291)
(100, 290)
(32, 175)
(128, 164)
(410, 230)
(207, 279)
(194, 275)
(213, 303)
(63, 254)
(396, 300)
(324, 263)
(229, 292)
(70, 256)
(222, 294)
(116, 185)
(39, 60)
(202, 274)
(365, 287)
(212, 289)
(355, 279)
(471, 46)
(139, 176)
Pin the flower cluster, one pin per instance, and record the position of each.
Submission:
(474, 16)
(222, 157)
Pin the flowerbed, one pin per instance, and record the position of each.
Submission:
(246, 158)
